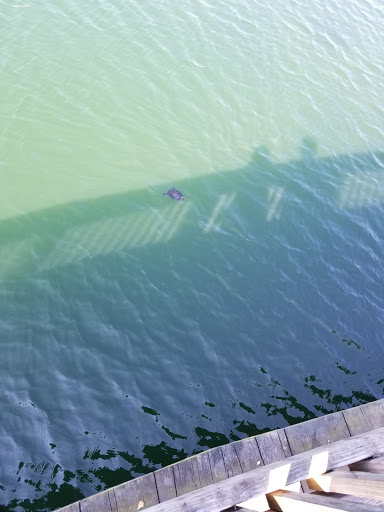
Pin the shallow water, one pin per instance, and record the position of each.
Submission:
(137, 330)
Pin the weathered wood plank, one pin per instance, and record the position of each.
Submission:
(186, 476)
(112, 498)
(104, 501)
(374, 414)
(365, 417)
(355, 420)
(216, 460)
(273, 477)
(138, 494)
(231, 460)
(248, 454)
(284, 442)
(288, 501)
(204, 469)
(318, 432)
(356, 483)
(270, 447)
(349, 497)
(375, 465)
(165, 484)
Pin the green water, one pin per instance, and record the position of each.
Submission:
(136, 330)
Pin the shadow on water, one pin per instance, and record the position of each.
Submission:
(71, 233)
(263, 194)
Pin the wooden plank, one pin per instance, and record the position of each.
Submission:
(231, 461)
(104, 501)
(288, 501)
(248, 454)
(273, 477)
(356, 483)
(136, 494)
(271, 448)
(375, 465)
(186, 476)
(349, 497)
(112, 498)
(356, 421)
(165, 484)
(204, 469)
(365, 417)
(374, 414)
(216, 460)
(318, 432)
(284, 442)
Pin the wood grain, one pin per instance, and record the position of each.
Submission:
(165, 484)
(375, 465)
(356, 483)
(318, 432)
(287, 501)
(140, 493)
(186, 476)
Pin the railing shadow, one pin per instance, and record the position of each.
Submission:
(263, 191)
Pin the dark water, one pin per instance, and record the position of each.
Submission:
(121, 355)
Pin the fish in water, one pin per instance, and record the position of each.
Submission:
(174, 194)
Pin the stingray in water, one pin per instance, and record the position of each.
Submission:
(174, 194)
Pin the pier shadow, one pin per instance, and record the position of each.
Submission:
(263, 189)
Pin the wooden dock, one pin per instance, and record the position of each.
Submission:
(329, 463)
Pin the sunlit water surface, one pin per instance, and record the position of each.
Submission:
(136, 330)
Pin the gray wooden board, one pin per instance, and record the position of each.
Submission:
(356, 483)
(365, 417)
(248, 454)
(318, 432)
(284, 442)
(231, 460)
(104, 501)
(240, 488)
(348, 497)
(270, 447)
(136, 494)
(165, 483)
(286, 500)
(186, 476)
(204, 469)
(374, 414)
(375, 465)
(356, 421)
(217, 465)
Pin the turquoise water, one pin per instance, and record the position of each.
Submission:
(137, 330)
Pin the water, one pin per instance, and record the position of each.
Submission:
(137, 330)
